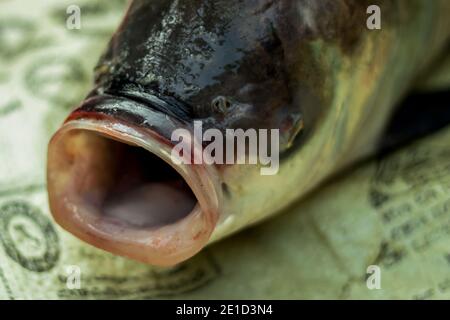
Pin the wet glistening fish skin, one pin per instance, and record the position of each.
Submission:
(311, 69)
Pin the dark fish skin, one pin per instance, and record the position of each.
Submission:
(223, 60)
(310, 68)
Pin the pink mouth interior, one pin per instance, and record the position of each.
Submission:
(120, 191)
(142, 190)
(122, 184)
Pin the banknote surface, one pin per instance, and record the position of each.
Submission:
(391, 214)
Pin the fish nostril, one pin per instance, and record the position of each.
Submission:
(221, 104)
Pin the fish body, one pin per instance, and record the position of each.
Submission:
(311, 69)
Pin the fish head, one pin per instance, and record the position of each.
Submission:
(222, 61)
(230, 64)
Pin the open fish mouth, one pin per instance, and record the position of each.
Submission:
(115, 185)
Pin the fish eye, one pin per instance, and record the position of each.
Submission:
(221, 103)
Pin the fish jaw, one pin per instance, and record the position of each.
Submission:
(82, 171)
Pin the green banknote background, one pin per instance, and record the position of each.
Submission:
(392, 212)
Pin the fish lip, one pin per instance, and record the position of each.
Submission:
(138, 112)
(166, 245)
